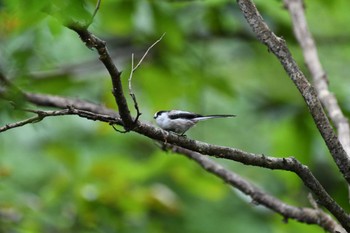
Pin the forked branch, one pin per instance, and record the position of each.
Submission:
(278, 47)
(133, 69)
(258, 196)
(318, 74)
(195, 149)
(100, 113)
(92, 41)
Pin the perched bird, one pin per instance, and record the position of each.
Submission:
(180, 121)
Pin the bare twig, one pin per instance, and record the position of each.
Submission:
(319, 76)
(133, 69)
(31, 120)
(96, 9)
(41, 114)
(280, 50)
(145, 54)
(131, 93)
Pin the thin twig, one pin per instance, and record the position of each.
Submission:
(40, 116)
(131, 93)
(133, 69)
(70, 110)
(97, 7)
(30, 120)
(147, 51)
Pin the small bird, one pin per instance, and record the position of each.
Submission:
(180, 121)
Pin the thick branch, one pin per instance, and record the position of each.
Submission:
(288, 164)
(280, 50)
(319, 76)
(92, 41)
(306, 215)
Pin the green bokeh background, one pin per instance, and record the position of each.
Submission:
(67, 174)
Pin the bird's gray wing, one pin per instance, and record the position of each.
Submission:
(176, 114)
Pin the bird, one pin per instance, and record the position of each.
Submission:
(179, 121)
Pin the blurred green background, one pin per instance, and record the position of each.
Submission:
(67, 174)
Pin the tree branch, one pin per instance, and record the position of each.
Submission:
(69, 111)
(97, 112)
(278, 47)
(31, 120)
(287, 164)
(319, 76)
(62, 102)
(306, 215)
(92, 41)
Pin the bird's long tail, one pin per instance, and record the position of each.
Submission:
(213, 116)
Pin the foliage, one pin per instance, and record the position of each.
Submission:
(70, 175)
